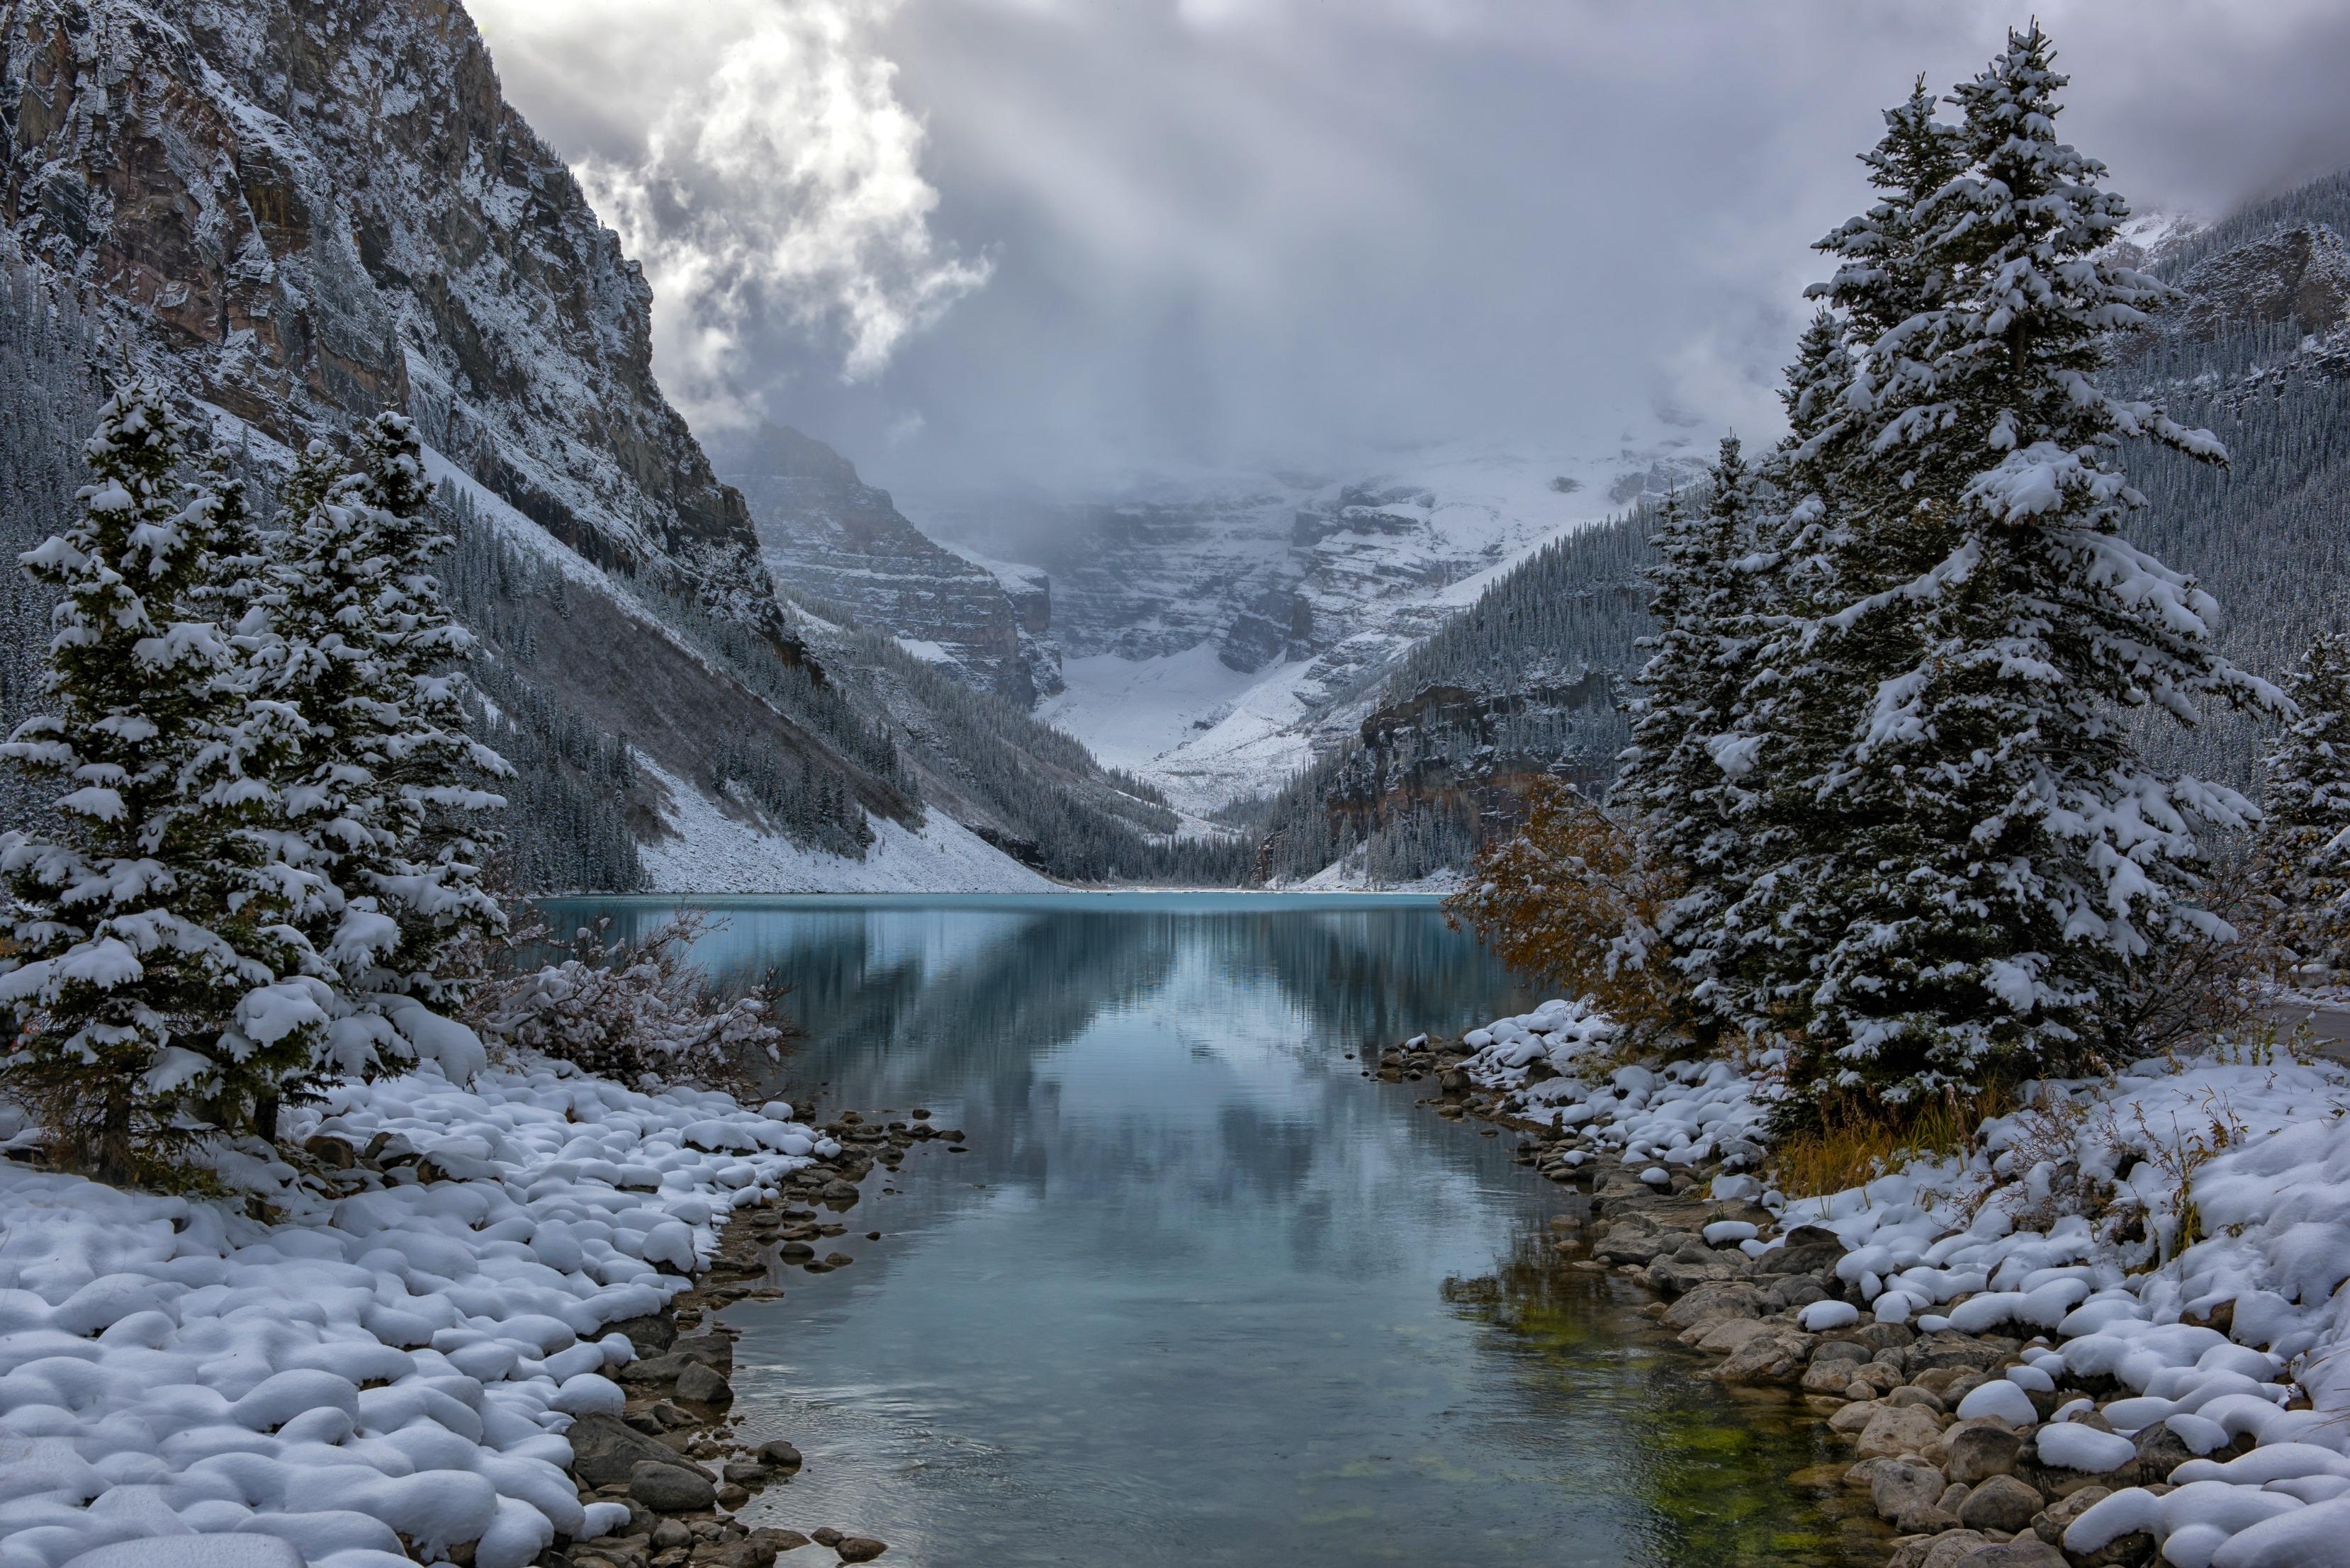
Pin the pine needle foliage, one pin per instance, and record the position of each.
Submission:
(2302, 860)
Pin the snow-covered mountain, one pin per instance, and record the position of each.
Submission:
(302, 212)
(1218, 635)
(830, 536)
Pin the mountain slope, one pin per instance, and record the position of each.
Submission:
(1219, 638)
(302, 214)
(829, 534)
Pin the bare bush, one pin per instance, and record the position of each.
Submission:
(640, 1014)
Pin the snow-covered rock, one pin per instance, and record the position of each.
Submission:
(2065, 1220)
(400, 1362)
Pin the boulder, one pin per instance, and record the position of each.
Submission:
(1977, 1451)
(700, 1385)
(780, 1454)
(1903, 1493)
(671, 1489)
(858, 1548)
(605, 1450)
(1713, 1302)
(1777, 1357)
(651, 1334)
(2160, 1452)
(1894, 1429)
(1828, 1377)
(2003, 1503)
(1630, 1240)
(1849, 1420)
(1937, 1550)
(2023, 1551)
(1735, 1334)
(330, 1151)
(2049, 1523)
(1959, 1350)
(1676, 1276)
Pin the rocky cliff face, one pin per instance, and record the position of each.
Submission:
(825, 532)
(310, 211)
(303, 211)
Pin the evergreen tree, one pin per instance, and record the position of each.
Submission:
(352, 635)
(1977, 850)
(157, 984)
(2304, 840)
(434, 887)
(1684, 772)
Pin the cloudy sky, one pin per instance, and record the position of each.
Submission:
(1060, 240)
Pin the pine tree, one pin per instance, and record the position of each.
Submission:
(157, 984)
(435, 888)
(1978, 851)
(1684, 773)
(2303, 859)
(352, 634)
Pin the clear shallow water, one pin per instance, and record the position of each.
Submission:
(1201, 1294)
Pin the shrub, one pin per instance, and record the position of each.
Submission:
(641, 1014)
(1574, 899)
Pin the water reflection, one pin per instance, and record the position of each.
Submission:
(1185, 1300)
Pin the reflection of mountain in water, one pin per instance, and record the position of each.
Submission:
(1012, 1018)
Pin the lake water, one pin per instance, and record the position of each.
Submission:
(1201, 1293)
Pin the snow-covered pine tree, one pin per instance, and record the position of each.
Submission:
(1764, 937)
(346, 635)
(436, 887)
(157, 985)
(1683, 775)
(1981, 856)
(2303, 854)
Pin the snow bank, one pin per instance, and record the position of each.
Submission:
(714, 853)
(2065, 1221)
(401, 1361)
(1558, 1064)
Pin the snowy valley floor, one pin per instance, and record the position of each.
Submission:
(2030, 1368)
(389, 1364)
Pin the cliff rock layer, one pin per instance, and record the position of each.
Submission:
(311, 211)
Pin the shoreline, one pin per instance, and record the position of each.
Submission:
(679, 1396)
(472, 1322)
(1949, 1429)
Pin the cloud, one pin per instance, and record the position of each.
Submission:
(1295, 233)
(755, 155)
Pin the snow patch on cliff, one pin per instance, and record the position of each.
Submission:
(711, 852)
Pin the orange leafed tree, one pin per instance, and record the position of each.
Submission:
(1574, 899)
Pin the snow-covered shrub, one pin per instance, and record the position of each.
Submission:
(639, 1014)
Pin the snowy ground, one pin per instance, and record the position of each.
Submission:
(1350, 874)
(1131, 711)
(2250, 1143)
(395, 1359)
(713, 853)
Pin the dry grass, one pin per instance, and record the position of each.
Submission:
(1861, 1141)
